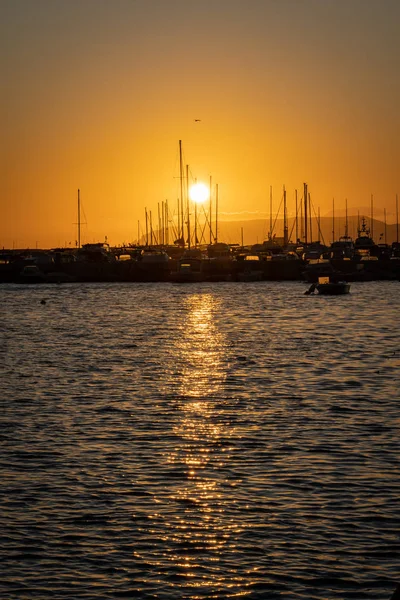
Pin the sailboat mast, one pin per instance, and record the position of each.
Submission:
(166, 224)
(372, 216)
(195, 221)
(79, 219)
(163, 222)
(285, 227)
(158, 239)
(305, 214)
(187, 203)
(346, 224)
(181, 178)
(270, 212)
(296, 218)
(151, 230)
(333, 220)
(320, 234)
(397, 219)
(179, 221)
(216, 214)
(210, 210)
(195, 225)
(301, 222)
(384, 214)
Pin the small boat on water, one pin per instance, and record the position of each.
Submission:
(337, 288)
(325, 287)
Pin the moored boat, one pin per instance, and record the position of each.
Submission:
(31, 274)
(331, 288)
(326, 287)
(190, 267)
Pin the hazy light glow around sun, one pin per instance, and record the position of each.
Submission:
(199, 193)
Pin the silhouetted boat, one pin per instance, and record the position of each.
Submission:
(325, 287)
(249, 267)
(337, 288)
(31, 274)
(154, 257)
(364, 245)
(153, 265)
(190, 267)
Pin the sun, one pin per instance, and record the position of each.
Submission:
(199, 193)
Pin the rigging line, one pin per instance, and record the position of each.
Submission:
(202, 236)
(170, 218)
(178, 162)
(319, 227)
(174, 228)
(294, 222)
(207, 221)
(83, 211)
(276, 218)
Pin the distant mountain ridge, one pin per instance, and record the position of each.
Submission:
(256, 230)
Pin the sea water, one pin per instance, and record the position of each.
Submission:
(200, 441)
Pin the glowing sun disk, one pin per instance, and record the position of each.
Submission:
(199, 193)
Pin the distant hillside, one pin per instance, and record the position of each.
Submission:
(256, 230)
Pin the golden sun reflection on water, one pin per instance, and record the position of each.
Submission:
(201, 348)
(207, 526)
(201, 351)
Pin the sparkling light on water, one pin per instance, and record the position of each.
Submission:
(201, 441)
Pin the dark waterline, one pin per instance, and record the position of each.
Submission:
(201, 441)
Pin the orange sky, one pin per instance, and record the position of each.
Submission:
(97, 94)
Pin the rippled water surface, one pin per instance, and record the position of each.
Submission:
(199, 441)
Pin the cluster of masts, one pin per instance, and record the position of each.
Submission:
(302, 225)
(184, 231)
(164, 229)
(303, 222)
(179, 233)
